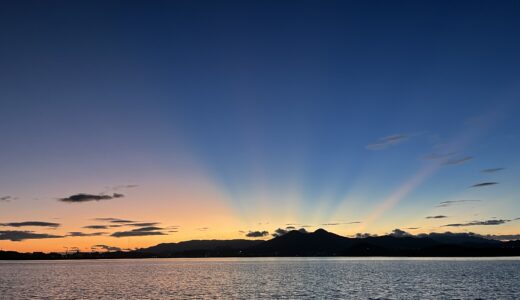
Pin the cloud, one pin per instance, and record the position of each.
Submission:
(202, 228)
(17, 236)
(503, 237)
(436, 217)
(149, 228)
(144, 224)
(281, 231)
(123, 186)
(399, 233)
(482, 184)
(340, 223)
(115, 220)
(135, 233)
(81, 234)
(492, 170)
(413, 228)
(145, 231)
(456, 202)
(364, 235)
(105, 247)
(7, 198)
(256, 234)
(78, 198)
(435, 156)
(457, 161)
(31, 224)
(479, 223)
(387, 141)
(96, 227)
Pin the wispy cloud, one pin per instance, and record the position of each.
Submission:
(17, 236)
(457, 161)
(144, 224)
(105, 247)
(115, 220)
(122, 187)
(435, 156)
(399, 233)
(145, 231)
(7, 198)
(436, 217)
(479, 223)
(81, 197)
(82, 234)
(503, 237)
(387, 141)
(149, 228)
(281, 231)
(30, 224)
(96, 226)
(483, 184)
(456, 202)
(256, 234)
(492, 170)
(340, 223)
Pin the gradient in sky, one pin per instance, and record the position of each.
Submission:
(212, 119)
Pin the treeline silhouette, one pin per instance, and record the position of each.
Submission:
(298, 243)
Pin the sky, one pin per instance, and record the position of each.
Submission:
(126, 124)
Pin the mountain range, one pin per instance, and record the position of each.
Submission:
(302, 243)
(324, 243)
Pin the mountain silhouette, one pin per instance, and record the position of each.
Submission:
(324, 243)
(195, 247)
(317, 243)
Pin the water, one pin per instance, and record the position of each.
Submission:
(262, 278)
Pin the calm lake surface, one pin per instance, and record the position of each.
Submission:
(263, 278)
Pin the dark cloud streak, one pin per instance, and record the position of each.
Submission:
(31, 224)
(82, 197)
(256, 234)
(17, 236)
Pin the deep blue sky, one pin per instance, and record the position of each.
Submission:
(265, 96)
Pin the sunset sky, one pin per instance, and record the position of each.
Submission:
(127, 125)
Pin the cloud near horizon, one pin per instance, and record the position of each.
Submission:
(256, 234)
(31, 224)
(82, 197)
(144, 231)
(340, 223)
(479, 223)
(82, 234)
(144, 224)
(105, 247)
(18, 236)
(281, 231)
(115, 220)
(96, 226)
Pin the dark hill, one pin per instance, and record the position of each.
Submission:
(202, 248)
(297, 243)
